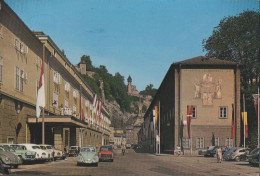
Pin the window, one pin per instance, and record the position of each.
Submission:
(186, 143)
(194, 112)
(223, 112)
(1, 69)
(229, 142)
(55, 100)
(38, 62)
(200, 142)
(21, 48)
(216, 141)
(21, 80)
(17, 76)
(17, 44)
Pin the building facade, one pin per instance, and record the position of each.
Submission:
(70, 118)
(212, 88)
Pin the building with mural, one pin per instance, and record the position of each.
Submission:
(70, 118)
(197, 102)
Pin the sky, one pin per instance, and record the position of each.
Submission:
(140, 38)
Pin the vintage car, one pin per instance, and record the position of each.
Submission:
(57, 154)
(40, 154)
(8, 160)
(74, 150)
(212, 151)
(88, 155)
(254, 157)
(24, 154)
(106, 153)
(227, 154)
(238, 153)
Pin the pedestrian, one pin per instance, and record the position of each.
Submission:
(65, 153)
(219, 155)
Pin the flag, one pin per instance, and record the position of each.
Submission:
(94, 100)
(40, 100)
(233, 123)
(82, 115)
(244, 118)
(189, 115)
(96, 107)
(156, 114)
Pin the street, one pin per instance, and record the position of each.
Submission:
(141, 164)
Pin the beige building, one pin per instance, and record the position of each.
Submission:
(70, 118)
(212, 87)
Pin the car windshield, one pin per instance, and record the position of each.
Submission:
(17, 147)
(5, 147)
(49, 147)
(230, 150)
(88, 149)
(43, 147)
(106, 149)
(36, 147)
(73, 148)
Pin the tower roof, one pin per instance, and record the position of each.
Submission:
(129, 79)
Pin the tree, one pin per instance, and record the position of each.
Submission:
(237, 39)
(149, 90)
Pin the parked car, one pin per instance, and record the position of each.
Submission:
(11, 150)
(88, 155)
(8, 160)
(40, 154)
(212, 151)
(204, 151)
(25, 155)
(228, 153)
(74, 150)
(106, 153)
(57, 154)
(253, 157)
(236, 155)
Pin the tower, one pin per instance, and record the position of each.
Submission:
(129, 86)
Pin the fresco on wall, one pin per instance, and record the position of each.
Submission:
(207, 89)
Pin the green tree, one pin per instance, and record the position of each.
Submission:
(237, 38)
(149, 90)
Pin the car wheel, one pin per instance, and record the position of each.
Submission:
(96, 164)
(237, 158)
(16, 166)
(112, 160)
(78, 164)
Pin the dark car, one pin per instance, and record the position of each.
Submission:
(212, 151)
(229, 152)
(74, 150)
(106, 153)
(253, 157)
(8, 160)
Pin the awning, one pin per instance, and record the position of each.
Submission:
(60, 120)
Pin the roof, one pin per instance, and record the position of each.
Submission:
(203, 60)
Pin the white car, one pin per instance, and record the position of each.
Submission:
(40, 154)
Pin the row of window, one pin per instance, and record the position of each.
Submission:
(222, 112)
(21, 46)
(200, 142)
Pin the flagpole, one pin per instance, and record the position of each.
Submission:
(159, 115)
(258, 117)
(43, 127)
(43, 123)
(190, 138)
(244, 120)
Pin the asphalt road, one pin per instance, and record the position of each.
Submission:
(141, 164)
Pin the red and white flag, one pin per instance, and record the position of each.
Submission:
(40, 102)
